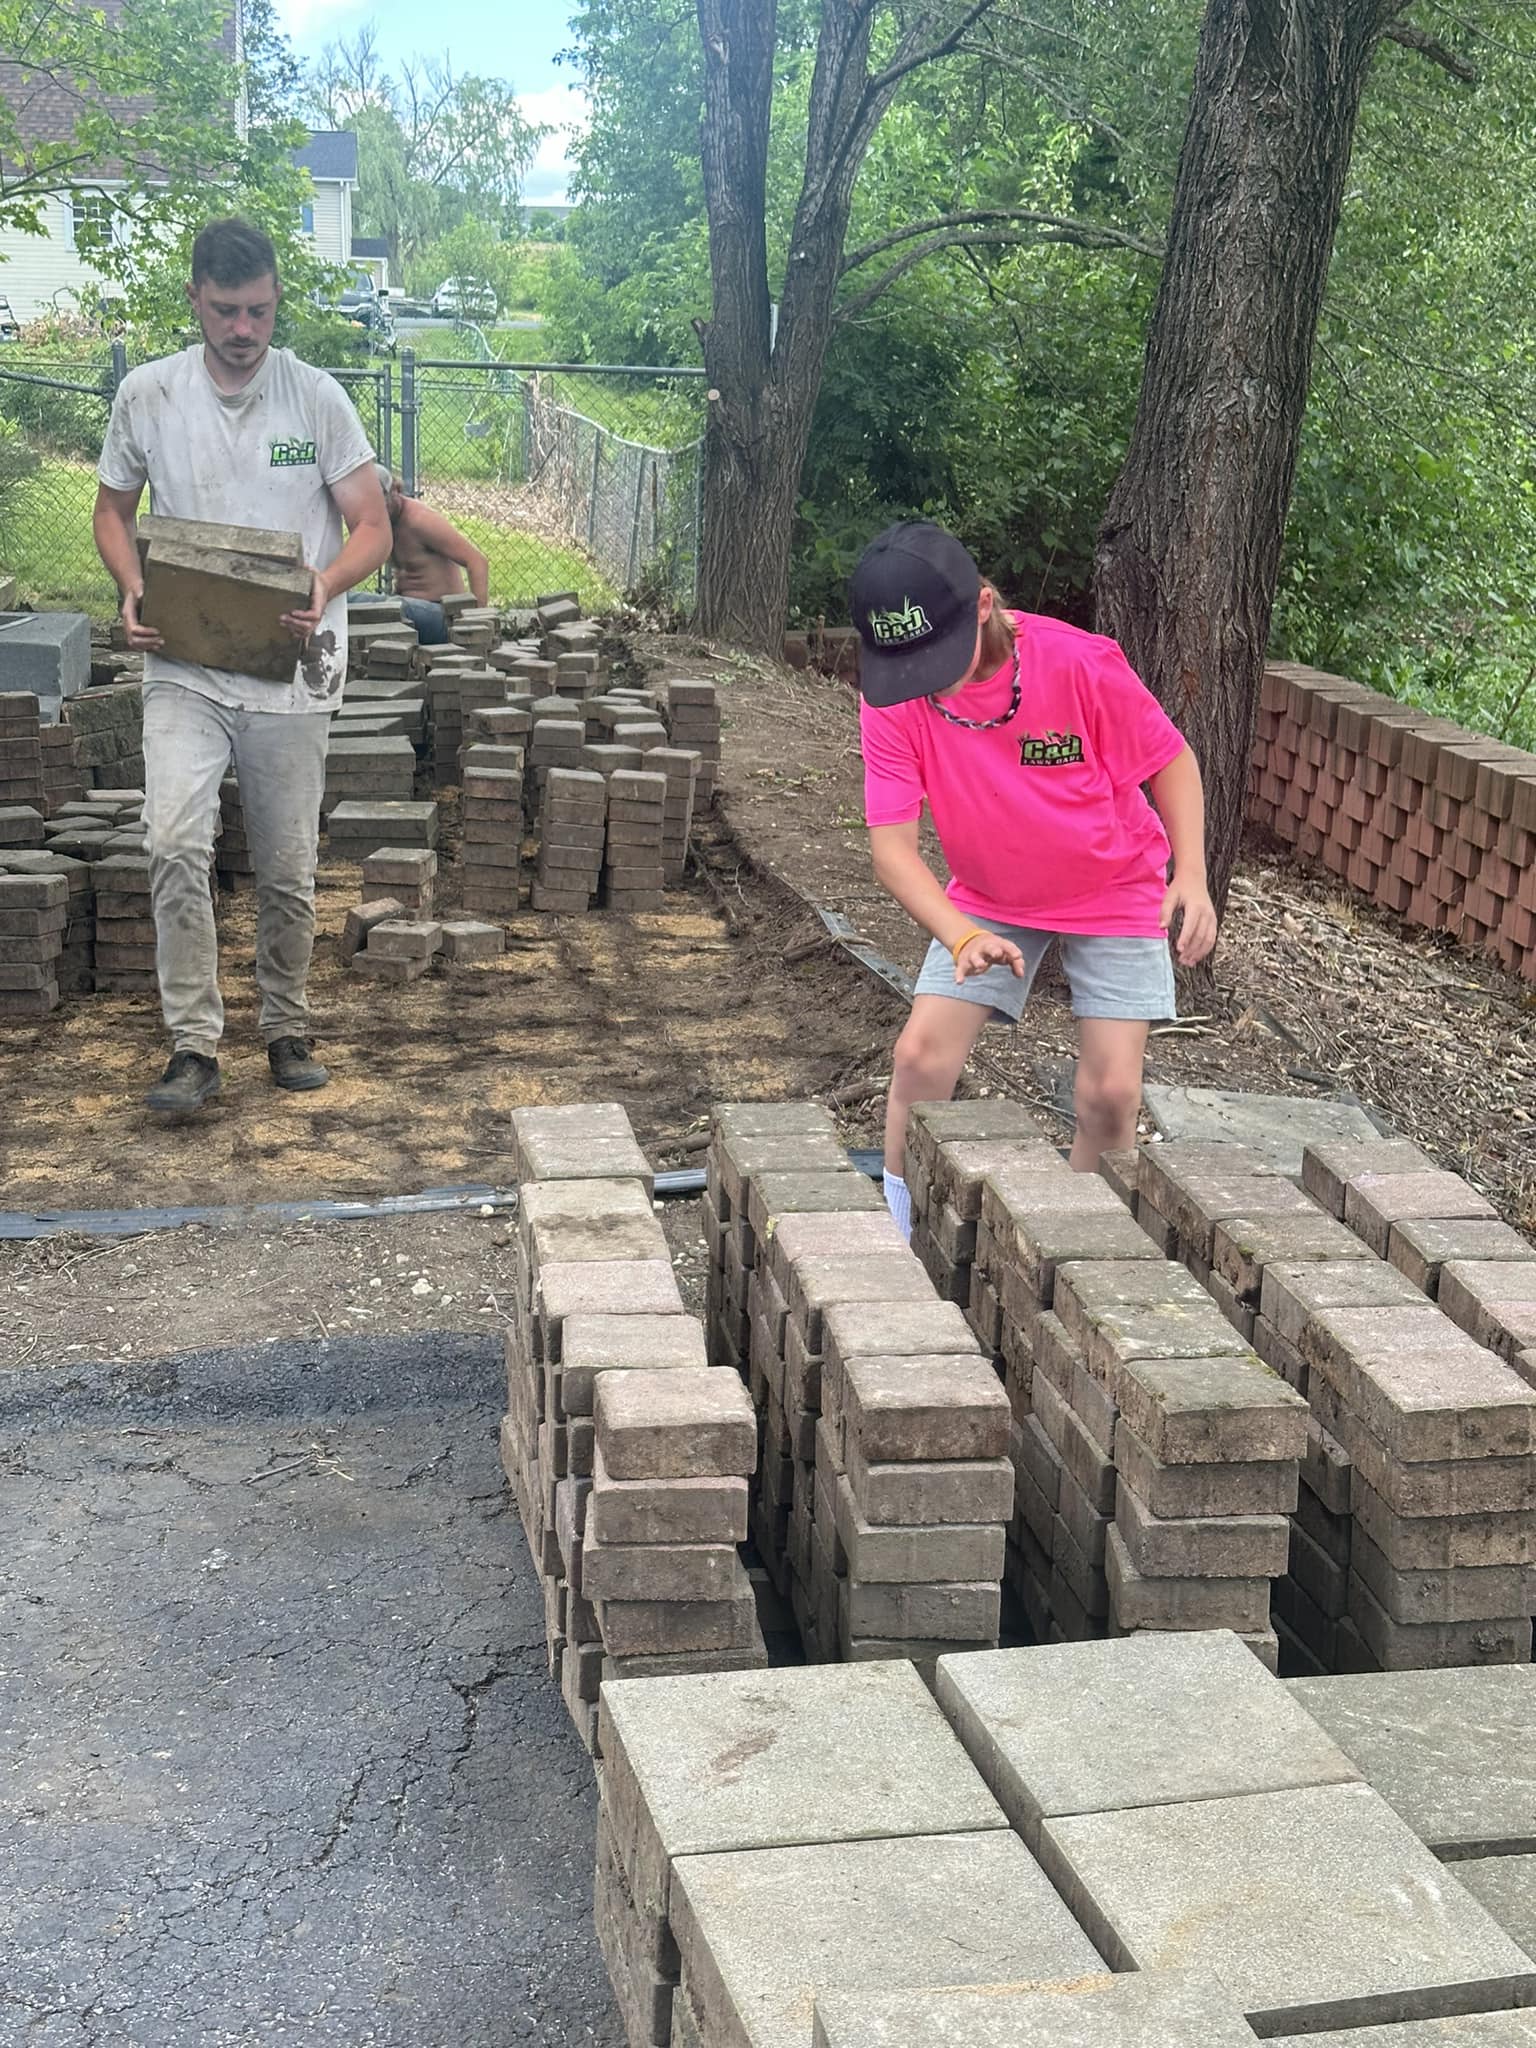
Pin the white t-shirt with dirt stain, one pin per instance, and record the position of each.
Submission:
(263, 456)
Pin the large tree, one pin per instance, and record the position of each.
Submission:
(1189, 552)
(765, 358)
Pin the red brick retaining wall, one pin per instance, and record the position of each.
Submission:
(1432, 822)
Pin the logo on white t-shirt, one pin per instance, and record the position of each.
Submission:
(292, 454)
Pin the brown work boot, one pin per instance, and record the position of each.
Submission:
(190, 1079)
(293, 1065)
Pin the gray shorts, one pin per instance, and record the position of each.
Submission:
(1108, 977)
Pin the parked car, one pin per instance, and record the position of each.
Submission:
(465, 298)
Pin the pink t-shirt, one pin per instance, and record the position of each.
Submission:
(1042, 820)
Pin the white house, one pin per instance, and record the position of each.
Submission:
(43, 274)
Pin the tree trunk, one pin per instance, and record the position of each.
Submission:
(1189, 552)
(763, 389)
(743, 553)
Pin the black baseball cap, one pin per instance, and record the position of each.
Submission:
(914, 596)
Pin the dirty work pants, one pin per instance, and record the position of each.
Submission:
(279, 758)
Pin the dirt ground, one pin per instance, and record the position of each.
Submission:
(723, 995)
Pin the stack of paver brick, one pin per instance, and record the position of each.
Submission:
(394, 949)
(232, 849)
(125, 927)
(633, 860)
(1441, 1233)
(950, 1149)
(21, 826)
(653, 1478)
(21, 753)
(493, 836)
(767, 1773)
(665, 1443)
(681, 769)
(572, 828)
(361, 715)
(555, 742)
(693, 720)
(1037, 1216)
(403, 875)
(34, 910)
(63, 776)
(922, 1498)
(1436, 824)
(107, 729)
(367, 770)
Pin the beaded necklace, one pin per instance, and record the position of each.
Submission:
(987, 724)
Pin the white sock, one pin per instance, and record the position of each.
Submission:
(898, 1199)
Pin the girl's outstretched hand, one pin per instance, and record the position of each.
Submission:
(1197, 933)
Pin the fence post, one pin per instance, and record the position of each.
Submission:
(634, 522)
(119, 365)
(408, 421)
(597, 457)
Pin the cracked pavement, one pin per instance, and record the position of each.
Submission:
(282, 1760)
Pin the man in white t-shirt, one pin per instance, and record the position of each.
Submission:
(245, 434)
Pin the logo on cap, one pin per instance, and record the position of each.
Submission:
(897, 629)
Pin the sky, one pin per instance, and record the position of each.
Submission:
(516, 41)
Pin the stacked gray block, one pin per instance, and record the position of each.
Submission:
(107, 726)
(1037, 1218)
(693, 723)
(1206, 1447)
(367, 770)
(572, 830)
(681, 769)
(125, 928)
(355, 829)
(492, 814)
(232, 849)
(633, 868)
(1441, 1434)
(405, 875)
(950, 1149)
(34, 910)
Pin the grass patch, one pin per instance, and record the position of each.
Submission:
(46, 541)
(524, 567)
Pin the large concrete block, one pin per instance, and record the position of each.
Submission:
(1143, 1721)
(1314, 1907)
(1148, 2009)
(47, 654)
(754, 1760)
(1448, 1750)
(762, 1935)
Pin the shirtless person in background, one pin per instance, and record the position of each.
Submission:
(431, 560)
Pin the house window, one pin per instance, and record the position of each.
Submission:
(95, 212)
(307, 217)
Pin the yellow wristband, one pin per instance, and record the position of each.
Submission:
(964, 940)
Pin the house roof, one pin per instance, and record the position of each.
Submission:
(47, 106)
(331, 154)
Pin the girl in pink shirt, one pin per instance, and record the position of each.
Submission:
(1029, 741)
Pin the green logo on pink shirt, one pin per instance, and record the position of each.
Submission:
(1056, 750)
(895, 629)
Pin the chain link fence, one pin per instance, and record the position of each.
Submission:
(566, 476)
